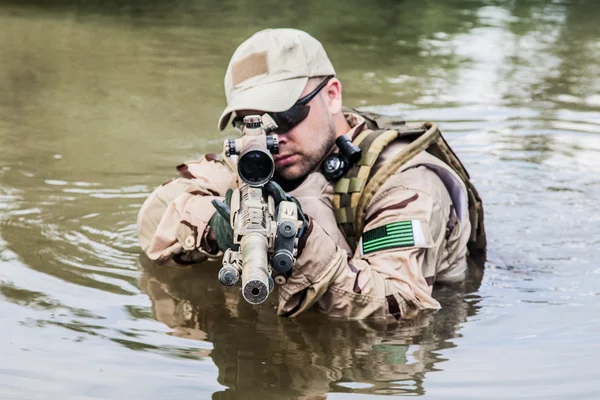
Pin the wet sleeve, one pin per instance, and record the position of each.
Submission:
(390, 275)
(172, 224)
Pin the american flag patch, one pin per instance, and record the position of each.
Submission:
(396, 234)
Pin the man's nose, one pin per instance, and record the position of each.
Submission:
(282, 139)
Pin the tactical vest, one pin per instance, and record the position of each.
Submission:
(354, 192)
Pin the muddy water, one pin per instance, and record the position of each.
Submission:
(100, 100)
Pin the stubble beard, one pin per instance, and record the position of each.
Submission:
(309, 162)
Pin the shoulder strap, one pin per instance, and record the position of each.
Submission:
(349, 191)
(377, 180)
(354, 192)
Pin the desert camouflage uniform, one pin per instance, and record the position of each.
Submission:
(328, 276)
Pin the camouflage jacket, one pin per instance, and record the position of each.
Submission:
(393, 281)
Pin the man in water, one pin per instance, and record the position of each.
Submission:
(416, 227)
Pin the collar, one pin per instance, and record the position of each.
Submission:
(357, 124)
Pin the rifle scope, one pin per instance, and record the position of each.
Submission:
(255, 163)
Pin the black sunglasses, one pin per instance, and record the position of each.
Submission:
(288, 119)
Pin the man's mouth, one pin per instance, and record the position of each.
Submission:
(281, 160)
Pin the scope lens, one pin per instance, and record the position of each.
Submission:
(255, 167)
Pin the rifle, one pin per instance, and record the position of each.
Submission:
(265, 229)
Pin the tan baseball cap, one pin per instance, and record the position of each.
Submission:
(269, 71)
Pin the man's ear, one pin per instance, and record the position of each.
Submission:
(333, 93)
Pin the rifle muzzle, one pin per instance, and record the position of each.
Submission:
(255, 272)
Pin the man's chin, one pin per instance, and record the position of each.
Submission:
(290, 173)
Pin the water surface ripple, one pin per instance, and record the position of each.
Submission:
(100, 100)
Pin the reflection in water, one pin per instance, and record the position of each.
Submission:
(260, 355)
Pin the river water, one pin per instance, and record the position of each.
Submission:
(99, 100)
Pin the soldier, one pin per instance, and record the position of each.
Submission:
(420, 215)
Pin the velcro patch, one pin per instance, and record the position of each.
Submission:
(394, 235)
(250, 66)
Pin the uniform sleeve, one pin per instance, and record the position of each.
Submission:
(172, 224)
(392, 272)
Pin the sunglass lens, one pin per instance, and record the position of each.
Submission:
(286, 120)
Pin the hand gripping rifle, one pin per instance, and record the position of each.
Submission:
(266, 232)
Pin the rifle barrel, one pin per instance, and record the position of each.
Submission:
(255, 273)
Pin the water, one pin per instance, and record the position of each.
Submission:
(99, 100)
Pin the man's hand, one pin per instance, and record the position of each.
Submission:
(221, 233)
(272, 188)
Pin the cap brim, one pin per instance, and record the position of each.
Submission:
(274, 96)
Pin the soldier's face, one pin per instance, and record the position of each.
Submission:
(303, 147)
